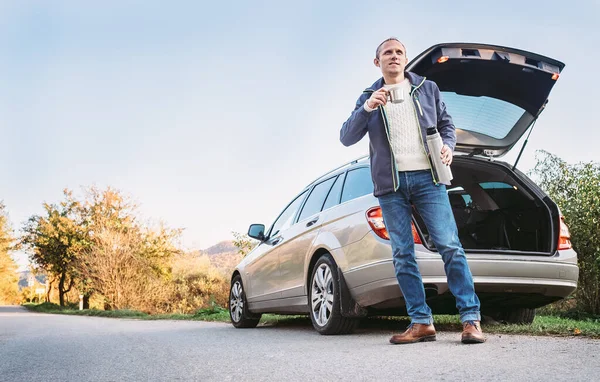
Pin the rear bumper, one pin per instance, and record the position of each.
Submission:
(375, 284)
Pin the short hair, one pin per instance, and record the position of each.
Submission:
(378, 50)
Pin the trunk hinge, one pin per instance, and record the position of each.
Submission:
(530, 127)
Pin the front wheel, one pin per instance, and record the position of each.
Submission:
(324, 299)
(238, 306)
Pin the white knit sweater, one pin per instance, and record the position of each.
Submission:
(405, 134)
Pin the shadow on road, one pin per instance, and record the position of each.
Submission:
(12, 309)
(369, 324)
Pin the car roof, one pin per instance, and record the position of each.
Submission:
(338, 170)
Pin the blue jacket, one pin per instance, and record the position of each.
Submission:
(430, 110)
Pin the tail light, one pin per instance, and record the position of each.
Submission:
(375, 219)
(564, 237)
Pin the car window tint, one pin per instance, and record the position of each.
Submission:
(358, 183)
(316, 198)
(284, 221)
(459, 197)
(505, 195)
(333, 198)
(467, 199)
(494, 185)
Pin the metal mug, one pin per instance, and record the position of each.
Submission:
(396, 95)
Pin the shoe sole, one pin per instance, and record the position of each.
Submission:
(472, 340)
(422, 339)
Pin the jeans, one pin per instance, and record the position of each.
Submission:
(433, 205)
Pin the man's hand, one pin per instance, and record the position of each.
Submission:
(446, 155)
(378, 98)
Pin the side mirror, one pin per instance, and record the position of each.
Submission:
(257, 231)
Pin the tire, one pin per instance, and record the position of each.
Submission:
(238, 306)
(324, 299)
(517, 316)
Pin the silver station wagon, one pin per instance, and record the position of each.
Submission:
(328, 254)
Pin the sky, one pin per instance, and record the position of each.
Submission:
(214, 115)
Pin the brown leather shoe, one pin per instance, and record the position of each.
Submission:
(472, 333)
(415, 333)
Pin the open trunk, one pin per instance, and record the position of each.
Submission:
(497, 209)
(494, 95)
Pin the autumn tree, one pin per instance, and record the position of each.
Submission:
(9, 288)
(126, 262)
(55, 239)
(243, 243)
(98, 245)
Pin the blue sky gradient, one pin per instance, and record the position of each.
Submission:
(214, 115)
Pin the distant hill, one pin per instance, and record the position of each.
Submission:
(223, 256)
(225, 246)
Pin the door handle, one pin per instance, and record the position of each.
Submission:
(312, 222)
(276, 241)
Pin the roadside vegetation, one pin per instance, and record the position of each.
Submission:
(98, 246)
(9, 289)
(576, 190)
(542, 325)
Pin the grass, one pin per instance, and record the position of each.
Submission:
(542, 326)
(588, 326)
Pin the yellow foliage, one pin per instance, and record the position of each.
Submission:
(196, 284)
(9, 289)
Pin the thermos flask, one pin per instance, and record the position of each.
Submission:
(435, 144)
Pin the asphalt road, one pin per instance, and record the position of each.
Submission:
(44, 347)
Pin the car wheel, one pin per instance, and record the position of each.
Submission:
(238, 306)
(324, 299)
(517, 316)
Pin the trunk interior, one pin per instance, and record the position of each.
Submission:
(495, 210)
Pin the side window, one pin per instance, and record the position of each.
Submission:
(334, 195)
(284, 221)
(459, 197)
(468, 200)
(358, 183)
(316, 198)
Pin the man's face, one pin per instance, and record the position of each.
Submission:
(392, 58)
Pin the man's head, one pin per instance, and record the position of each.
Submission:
(390, 57)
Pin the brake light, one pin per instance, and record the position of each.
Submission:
(443, 59)
(555, 76)
(416, 237)
(564, 237)
(375, 219)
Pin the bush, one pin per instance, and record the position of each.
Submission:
(576, 190)
(44, 307)
(196, 284)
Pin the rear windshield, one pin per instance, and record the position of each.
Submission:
(484, 115)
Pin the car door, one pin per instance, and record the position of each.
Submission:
(298, 239)
(262, 270)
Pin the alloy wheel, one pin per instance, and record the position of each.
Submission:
(236, 303)
(322, 294)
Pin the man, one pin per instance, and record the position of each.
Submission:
(402, 175)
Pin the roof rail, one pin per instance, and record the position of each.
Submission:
(337, 168)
